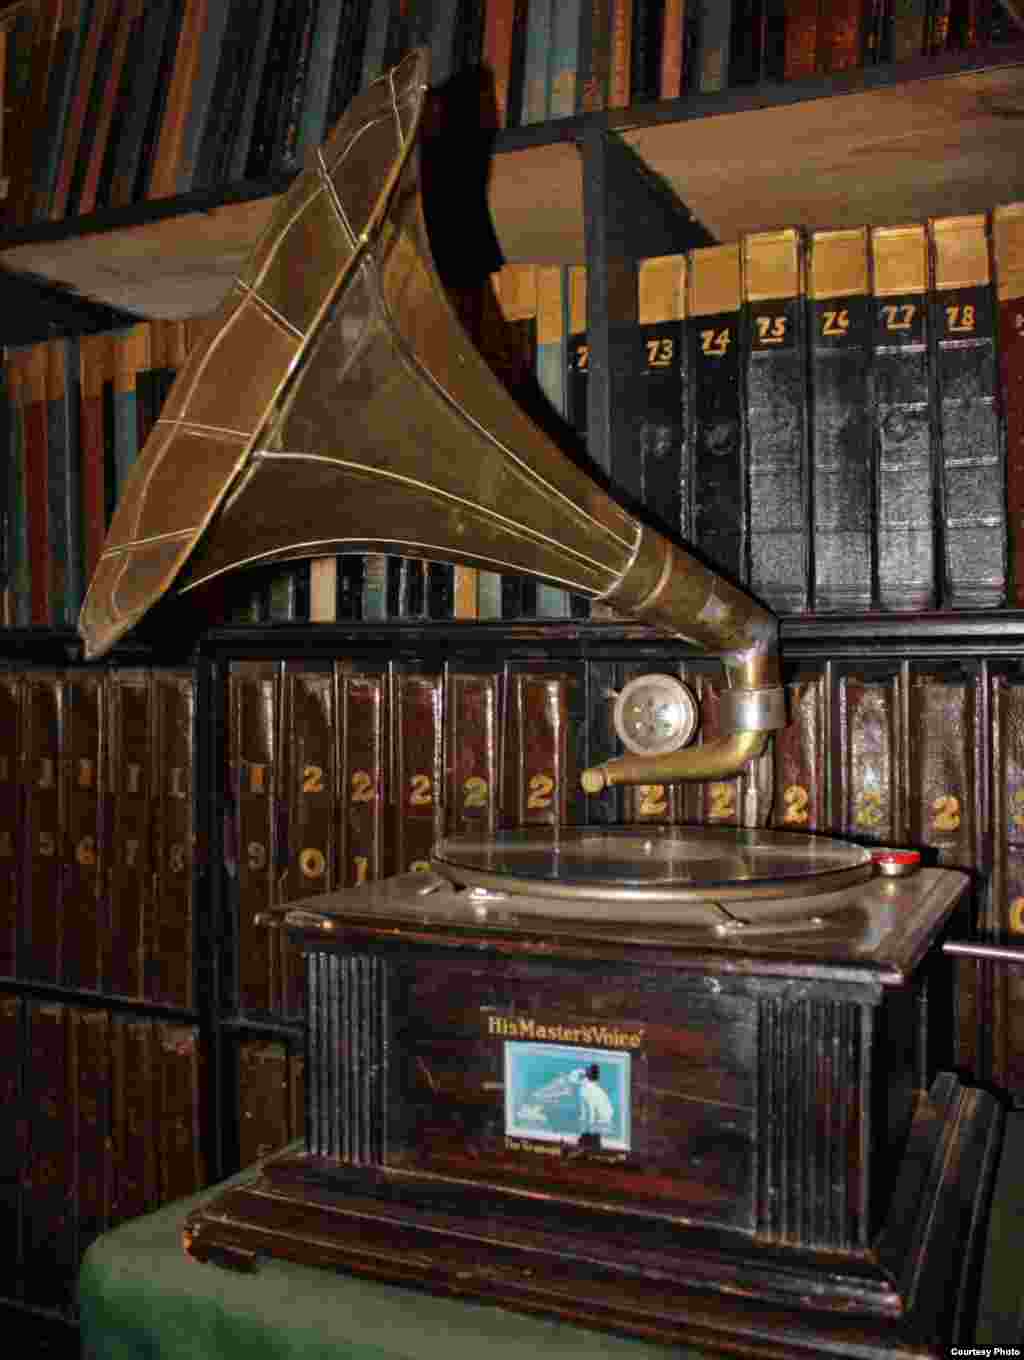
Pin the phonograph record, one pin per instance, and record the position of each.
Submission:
(670, 1081)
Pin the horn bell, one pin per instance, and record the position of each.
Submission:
(335, 404)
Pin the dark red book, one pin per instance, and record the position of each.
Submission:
(129, 782)
(944, 813)
(133, 1117)
(416, 705)
(94, 363)
(254, 703)
(471, 751)
(802, 21)
(50, 1260)
(85, 869)
(870, 743)
(11, 731)
(801, 758)
(94, 1167)
(169, 939)
(37, 481)
(44, 831)
(364, 715)
(307, 855)
(178, 1111)
(540, 783)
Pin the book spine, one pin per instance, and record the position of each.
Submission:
(711, 59)
(909, 28)
(1007, 707)
(971, 479)
(8, 452)
(131, 782)
(73, 27)
(130, 356)
(93, 1169)
(714, 495)
(254, 703)
(720, 800)
(536, 99)
(11, 730)
(619, 85)
(170, 937)
(776, 383)
(905, 477)
(648, 35)
(210, 41)
(471, 751)
(91, 448)
(593, 82)
(539, 755)
(663, 427)
(416, 708)
(307, 859)
(37, 489)
(870, 742)
(169, 144)
(125, 96)
(49, 1245)
(672, 73)
(179, 1112)
(801, 757)
(564, 57)
(64, 480)
(45, 55)
(263, 1123)
(364, 774)
(944, 814)
(84, 869)
(113, 69)
(89, 140)
(843, 491)
(842, 36)
(13, 1129)
(19, 555)
(148, 88)
(133, 1118)
(1008, 236)
(44, 826)
(313, 127)
(552, 298)
(501, 19)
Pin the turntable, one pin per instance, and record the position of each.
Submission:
(670, 1083)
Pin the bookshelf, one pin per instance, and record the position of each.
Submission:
(883, 145)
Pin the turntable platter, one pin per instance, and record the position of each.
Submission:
(662, 863)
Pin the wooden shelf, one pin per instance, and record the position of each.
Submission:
(881, 145)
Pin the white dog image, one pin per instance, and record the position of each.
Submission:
(596, 1108)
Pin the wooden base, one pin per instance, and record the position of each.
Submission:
(640, 1272)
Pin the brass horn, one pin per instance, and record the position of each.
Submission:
(335, 404)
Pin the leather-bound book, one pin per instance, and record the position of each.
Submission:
(416, 706)
(363, 775)
(801, 756)
(169, 956)
(85, 870)
(44, 832)
(842, 464)
(714, 495)
(778, 461)
(130, 779)
(972, 484)
(254, 704)
(903, 437)
(471, 751)
(539, 784)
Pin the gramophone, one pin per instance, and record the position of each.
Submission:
(674, 1082)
